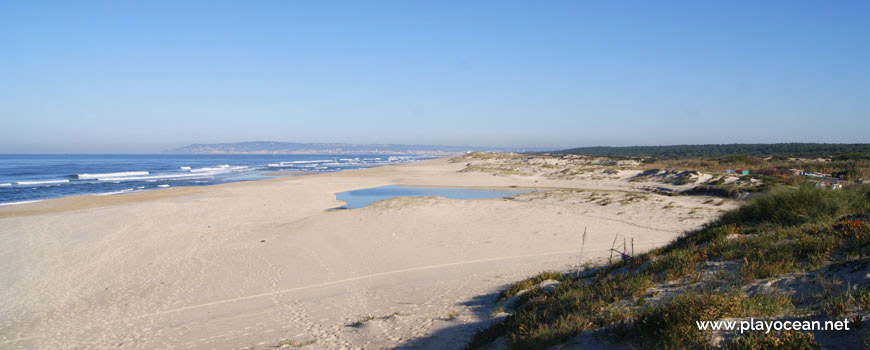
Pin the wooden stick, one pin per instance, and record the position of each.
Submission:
(613, 245)
(582, 244)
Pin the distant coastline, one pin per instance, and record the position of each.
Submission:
(273, 147)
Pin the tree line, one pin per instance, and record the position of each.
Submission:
(803, 150)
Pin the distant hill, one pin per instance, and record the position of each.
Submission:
(271, 147)
(806, 150)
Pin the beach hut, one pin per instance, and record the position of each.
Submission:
(744, 172)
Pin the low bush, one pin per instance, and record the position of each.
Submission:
(806, 204)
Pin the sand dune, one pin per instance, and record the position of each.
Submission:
(261, 264)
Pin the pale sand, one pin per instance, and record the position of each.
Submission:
(187, 268)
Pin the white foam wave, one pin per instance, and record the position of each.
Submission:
(298, 163)
(153, 178)
(306, 161)
(128, 190)
(5, 185)
(163, 186)
(43, 182)
(118, 174)
(218, 169)
(21, 202)
(185, 168)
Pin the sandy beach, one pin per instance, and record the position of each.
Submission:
(258, 265)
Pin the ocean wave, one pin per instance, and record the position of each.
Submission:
(5, 185)
(306, 161)
(219, 169)
(297, 163)
(184, 168)
(163, 186)
(41, 182)
(153, 178)
(128, 190)
(103, 175)
(21, 202)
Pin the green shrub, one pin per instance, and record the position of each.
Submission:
(672, 324)
(529, 283)
(784, 340)
(797, 206)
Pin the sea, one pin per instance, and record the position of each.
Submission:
(29, 178)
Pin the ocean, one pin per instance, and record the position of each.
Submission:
(27, 178)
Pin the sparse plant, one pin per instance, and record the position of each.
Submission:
(361, 321)
(452, 315)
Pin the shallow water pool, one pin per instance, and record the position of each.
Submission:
(360, 198)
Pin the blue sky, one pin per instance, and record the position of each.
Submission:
(120, 76)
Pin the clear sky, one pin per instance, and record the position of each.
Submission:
(125, 76)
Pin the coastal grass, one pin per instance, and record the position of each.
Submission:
(285, 343)
(776, 340)
(525, 284)
(358, 323)
(664, 326)
(797, 206)
(655, 298)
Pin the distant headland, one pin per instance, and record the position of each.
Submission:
(272, 147)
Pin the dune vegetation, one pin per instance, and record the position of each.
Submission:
(793, 253)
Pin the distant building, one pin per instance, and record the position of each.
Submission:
(796, 172)
(730, 171)
(744, 172)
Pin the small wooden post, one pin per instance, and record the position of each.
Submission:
(612, 245)
(582, 244)
(632, 246)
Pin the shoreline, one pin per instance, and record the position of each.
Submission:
(113, 176)
(87, 201)
(251, 263)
